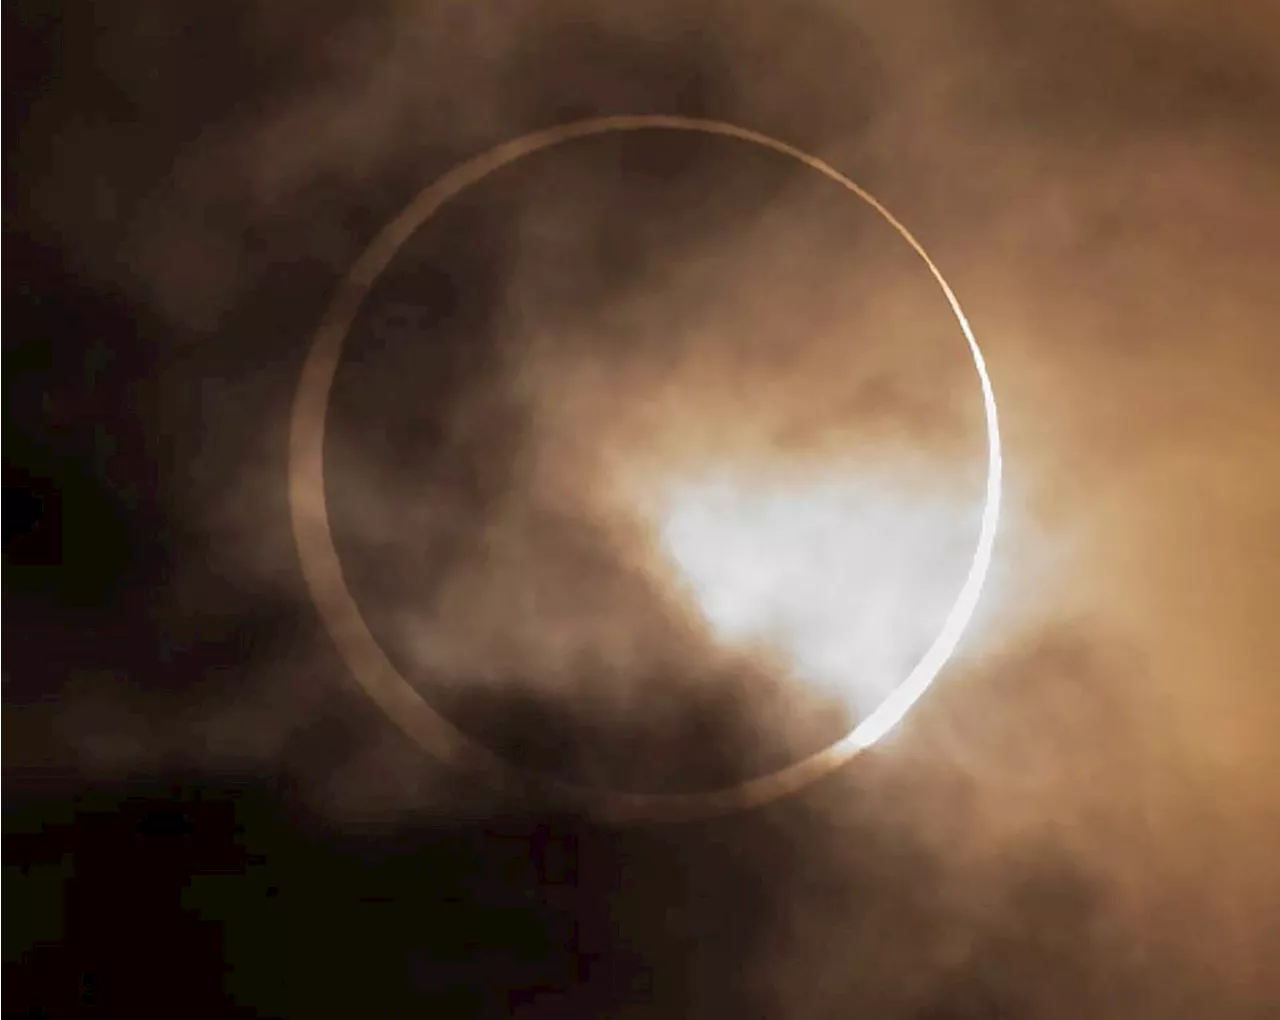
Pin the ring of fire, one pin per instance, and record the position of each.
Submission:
(373, 669)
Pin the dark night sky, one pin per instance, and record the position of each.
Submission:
(203, 813)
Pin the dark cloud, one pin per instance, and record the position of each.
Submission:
(203, 808)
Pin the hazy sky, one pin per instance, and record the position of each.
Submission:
(1078, 820)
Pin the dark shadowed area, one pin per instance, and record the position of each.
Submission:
(204, 813)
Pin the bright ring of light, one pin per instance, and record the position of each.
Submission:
(375, 672)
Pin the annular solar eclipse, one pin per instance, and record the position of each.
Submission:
(369, 663)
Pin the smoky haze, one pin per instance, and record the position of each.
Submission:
(1080, 817)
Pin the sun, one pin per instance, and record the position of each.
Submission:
(322, 566)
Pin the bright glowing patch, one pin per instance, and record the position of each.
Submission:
(844, 581)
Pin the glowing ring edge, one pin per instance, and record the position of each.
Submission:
(374, 671)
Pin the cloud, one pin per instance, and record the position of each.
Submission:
(1088, 792)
